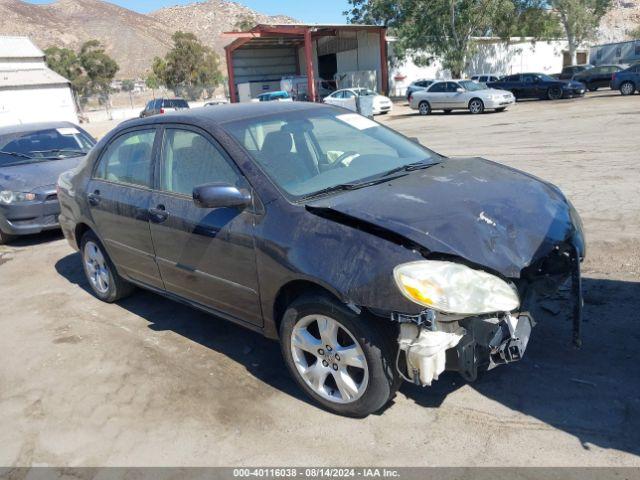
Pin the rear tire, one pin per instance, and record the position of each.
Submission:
(315, 329)
(103, 278)
(593, 88)
(501, 109)
(5, 238)
(627, 88)
(424, 108)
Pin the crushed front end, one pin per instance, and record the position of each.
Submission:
(431, 342)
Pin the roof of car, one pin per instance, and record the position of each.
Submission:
(227, 112)
(34, 127)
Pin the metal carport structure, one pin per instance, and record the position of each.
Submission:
(275, 51)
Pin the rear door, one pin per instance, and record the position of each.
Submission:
(118, 196)
(204, 255)
(437, 96)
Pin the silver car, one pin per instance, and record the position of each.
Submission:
(451, 95)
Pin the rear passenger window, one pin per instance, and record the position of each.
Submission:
(190, 160)
(127, 159)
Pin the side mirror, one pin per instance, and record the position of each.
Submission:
(220, 195)
(460, 90)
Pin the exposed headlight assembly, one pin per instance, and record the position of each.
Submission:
(454, 288)
(8, 197)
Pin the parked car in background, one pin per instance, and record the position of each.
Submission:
(279, 96)
(627, 81)
(460, 95)
(598, 77)
(539, 85)
(485, 77)
(348, 97)
(418, 85)
(32, 156)
(568, 71)
(160, 106)
(216, 101)
(329, 232)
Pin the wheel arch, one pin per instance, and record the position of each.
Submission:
(80, 230)
(295, 289)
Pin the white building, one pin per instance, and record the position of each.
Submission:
(495, 56)
(29, 91)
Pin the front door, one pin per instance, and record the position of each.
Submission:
(118, 197)
(204, 255)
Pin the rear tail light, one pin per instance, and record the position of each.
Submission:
(410, 96)
(162, 111)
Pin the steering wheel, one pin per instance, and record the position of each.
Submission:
(343, 157)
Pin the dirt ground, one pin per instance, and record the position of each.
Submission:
(150, 382)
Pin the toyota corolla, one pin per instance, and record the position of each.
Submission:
(371, 258)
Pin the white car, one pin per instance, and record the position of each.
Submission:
(451, 95)
(347, 98)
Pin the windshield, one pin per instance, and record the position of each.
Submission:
(305, 152)
(472, 86)
(175, 104)
(41, 145)
(364, 92)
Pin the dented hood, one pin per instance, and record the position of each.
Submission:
(486, 213)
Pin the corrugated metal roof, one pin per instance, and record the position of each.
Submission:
(18, 47)
(21, 78)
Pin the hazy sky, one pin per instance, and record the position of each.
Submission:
(310, 11)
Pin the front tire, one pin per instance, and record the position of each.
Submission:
(554, 93)
(5, 238)
(476, 106)
(424, 108)
(342, 361)
(104, 280)
(627, 88)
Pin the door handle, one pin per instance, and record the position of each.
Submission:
(94, 198)
(158, 214)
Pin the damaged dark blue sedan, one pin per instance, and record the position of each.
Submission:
(371, 258)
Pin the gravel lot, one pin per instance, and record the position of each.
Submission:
(150, 382)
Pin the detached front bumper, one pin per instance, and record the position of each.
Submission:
(31, 217)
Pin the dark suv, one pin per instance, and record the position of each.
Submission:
(627, 81)
(597, 77)
(570, 70)
(160, 106)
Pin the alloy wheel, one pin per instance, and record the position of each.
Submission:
(627, 88)
(329, 359)
(476, 106)
(96, 267)
(424, 108)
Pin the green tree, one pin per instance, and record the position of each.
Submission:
(244, 23)
(153, 82)
(100, 70)
(580, 20)
(446, 28)
(128, 86)
(190, 68)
